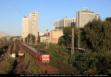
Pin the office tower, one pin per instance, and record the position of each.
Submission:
(85, 16)
(33, 24)
(30, 25)
(25, 27)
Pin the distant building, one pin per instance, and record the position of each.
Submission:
(44, 37)
(3, 35)
(30, 25)
(4, 38)
(25, 26)
(85, 16)
(55, 35)
(51, 37)
(60, 24)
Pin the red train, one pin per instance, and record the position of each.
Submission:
(44, 58)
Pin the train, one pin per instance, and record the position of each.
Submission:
(39, 56)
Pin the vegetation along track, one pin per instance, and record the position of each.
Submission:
(45, 68)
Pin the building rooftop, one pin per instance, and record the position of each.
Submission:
(86, 10)
(25, 17)
(2, 34)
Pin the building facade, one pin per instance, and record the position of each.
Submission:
(30, 25)
(25, 27)
(55, 35)
(60, 24)
(85, 16)
(43, 37)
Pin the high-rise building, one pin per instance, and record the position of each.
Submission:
(85, 16)
(30, 25)
(60, 24)
(33, 22)
(25, 26)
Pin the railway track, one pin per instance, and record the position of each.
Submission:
(19, 65)
(46, 68)
(2, 53)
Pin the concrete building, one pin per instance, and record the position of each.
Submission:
(51, 37)
(2, 35)
(55, 35)
(85, 16)
(33, 24)
(60, 24)
(30, 25)
(43, 37)
(25, 27)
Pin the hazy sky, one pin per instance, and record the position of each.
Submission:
(12, 11)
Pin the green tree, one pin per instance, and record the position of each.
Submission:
(93, 35)
(38, 40)
(30, 39)
(66, 39)
(96, 39)
(108, 19)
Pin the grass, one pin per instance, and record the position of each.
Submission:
(33, 67)
(6, 64)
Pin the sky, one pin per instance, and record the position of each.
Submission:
(12, 12)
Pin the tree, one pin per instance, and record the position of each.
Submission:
(107, 37)
(38, 40)
(96, 39)
(93, 35)
(96, 36)
(30, 38)
(65, 40)
(93, 63)
(108, 19)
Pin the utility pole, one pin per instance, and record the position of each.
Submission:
(78, 37)
(30, 39)
(78, 30)
(47, 38)
(72, 49)
(72, 56)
